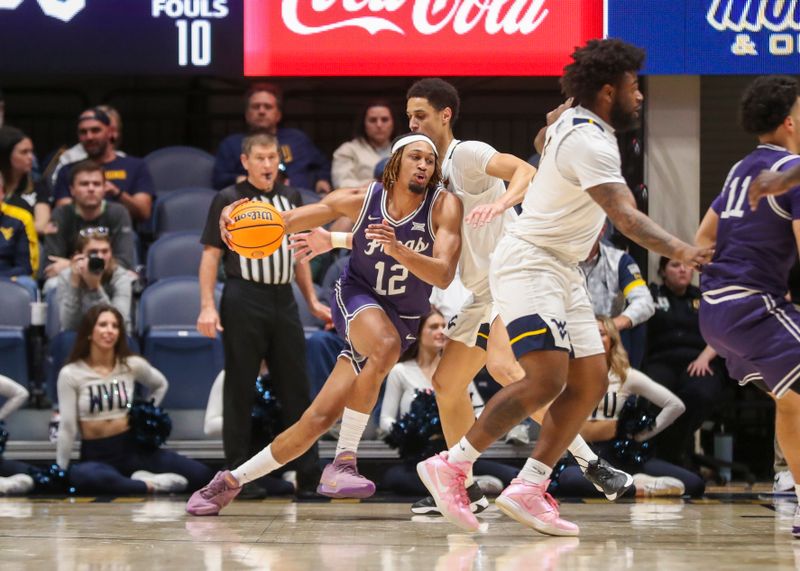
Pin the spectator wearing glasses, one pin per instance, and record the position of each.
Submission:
(127, 179)
(93, 277)
(90, 213)
(306, 166)
(354, 161)
(19, 246)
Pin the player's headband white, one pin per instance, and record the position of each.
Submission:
(401, 142)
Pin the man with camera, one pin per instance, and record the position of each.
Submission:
(89, 209)
(93, 277)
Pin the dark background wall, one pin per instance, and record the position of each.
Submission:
(200, 111)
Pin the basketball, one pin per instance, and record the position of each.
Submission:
(257, 229)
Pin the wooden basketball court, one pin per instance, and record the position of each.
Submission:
(740, 533)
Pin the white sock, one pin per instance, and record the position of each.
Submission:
(797, 491)
(535, 472)
(353, 425)
(582, 453)
(259, 465)
(463, 452)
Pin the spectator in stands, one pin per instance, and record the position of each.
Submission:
(354, 161)
(65, 156)
(414, 372)
(16, 166)
(88, 210)
(653, 477)
(14, 478)
(95, 392)
(306, 166)
(93, 277)
(618, 290)
(19, 245)
(258, 314)
(127, 179)
(679, 358)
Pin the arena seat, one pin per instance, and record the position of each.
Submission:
(166, 319)
(174, 254)
(332, 274)
(310, 323)
(15, 318)
(184, 210)
(179, 167)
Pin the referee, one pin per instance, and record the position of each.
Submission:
(259, 317)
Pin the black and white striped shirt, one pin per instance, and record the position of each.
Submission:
(275, 269)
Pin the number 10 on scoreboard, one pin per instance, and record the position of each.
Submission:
(194, 42)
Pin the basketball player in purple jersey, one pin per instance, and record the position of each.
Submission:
(745, 315)
(406, 238)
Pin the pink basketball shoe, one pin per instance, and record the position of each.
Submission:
(531, 505)
(446, 483)
(215, 495)
(340, 479)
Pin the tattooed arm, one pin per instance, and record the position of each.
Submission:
(618, 202)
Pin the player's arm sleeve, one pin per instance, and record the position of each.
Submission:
(212, 425)
(586, 158)
(16, 395)
(390, 406)
(150, 377)
(671, 406)
(639, 303)
(68, 423)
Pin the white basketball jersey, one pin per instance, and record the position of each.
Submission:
(464, 174)
(580, 152)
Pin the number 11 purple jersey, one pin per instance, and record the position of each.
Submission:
(755, 250)
(369, 266)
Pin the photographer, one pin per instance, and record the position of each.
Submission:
(93, 277)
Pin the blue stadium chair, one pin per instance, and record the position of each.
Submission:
(166, 319)
(310, 323)
(332, 274)
(184, 210)
(15, 318)
(174, 254)
(180, 167)
(309, 196)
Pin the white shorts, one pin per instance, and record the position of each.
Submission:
(470, 325)
(543, 301)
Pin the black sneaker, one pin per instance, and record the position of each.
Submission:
(253, 491)
(607, 479)
(478, 503)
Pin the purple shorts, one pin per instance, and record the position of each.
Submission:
(348, 300)
(758, 336)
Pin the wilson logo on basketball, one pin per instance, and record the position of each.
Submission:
(254, 215)
(416, 37)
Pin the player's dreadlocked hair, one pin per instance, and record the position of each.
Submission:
(766, 102)
(392, 171)
(598, 63)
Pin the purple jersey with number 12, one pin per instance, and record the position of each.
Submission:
(369, 266)
(754, 250)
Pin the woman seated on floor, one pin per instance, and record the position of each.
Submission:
(95, 392)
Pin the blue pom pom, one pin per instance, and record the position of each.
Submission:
(418, 433)
(3, 437)
(151, 425)
(52, 480)
(266, 413)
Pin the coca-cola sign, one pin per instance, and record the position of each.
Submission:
(415, 37)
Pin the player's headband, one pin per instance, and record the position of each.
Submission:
(404, 140)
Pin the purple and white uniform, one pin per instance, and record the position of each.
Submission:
(372, 278)
(744, 315)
